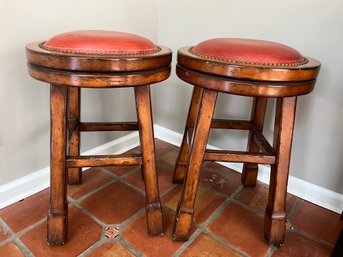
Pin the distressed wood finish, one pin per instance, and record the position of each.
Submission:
(182, 160)
(74, 174)
(213, 76)
(249, 172)
(153, 205)
(67, 74)
(58, 209)
(185, 209)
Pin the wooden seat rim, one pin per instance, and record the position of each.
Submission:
(101, 63)
(307, 71)
(245, 87)
(98, 80)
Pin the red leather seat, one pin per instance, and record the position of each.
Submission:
(100, 42)
(248, 51)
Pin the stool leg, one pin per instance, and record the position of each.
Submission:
(58, 212)
(153, 204)
(275, 215)
(182, 159)
(185, 209)
(74, 174)
(250, 170)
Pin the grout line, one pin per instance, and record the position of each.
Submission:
(271, 251)
(312, 238)
(223, 242)
(248, 207)
(6, 228)
(208, 221)
(91, 248)
(90, 215)
(294, 209)
(85, 196)
(187, 243)
(130, 247)
(26, 251)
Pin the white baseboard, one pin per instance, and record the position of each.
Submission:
(301, 188)
(39, 180)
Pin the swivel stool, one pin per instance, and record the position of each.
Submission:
(97, 59)
(245, 67)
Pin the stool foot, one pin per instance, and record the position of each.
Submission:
(275, 228)
(249, 174)
(57, 229)
(154, 219)
(183, 223)
(179, 173)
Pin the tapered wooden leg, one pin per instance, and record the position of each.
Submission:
(58, 211)
(275, 215)
(250, 170)
(74, 174)
(185, 209)
(182, 159)
(153, 204)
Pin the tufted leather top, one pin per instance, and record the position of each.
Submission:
(100, 42)
(248, 51)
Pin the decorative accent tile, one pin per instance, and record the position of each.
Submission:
(112, 232)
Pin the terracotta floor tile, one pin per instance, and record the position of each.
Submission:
(10, 250)
(26, 212)
(242, 229)
(169, 158)
(3, 234)
(136, 235)
(82, 233)
(220, 178)
(206, 246)
(114, 204)
(91, 180)
(111, 250)
(207, 201)
(165, 177)
(297, 245)
(162, 147)
(121, 170)
(257, 197)
(318, 222)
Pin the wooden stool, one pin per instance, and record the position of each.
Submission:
(97, 59)
(245, 67)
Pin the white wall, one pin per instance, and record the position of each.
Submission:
(24, 102)
(314, 27)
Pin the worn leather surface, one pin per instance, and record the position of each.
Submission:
(100, 42)
(247, 51)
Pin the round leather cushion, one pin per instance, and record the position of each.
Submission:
(248, 51)
(100, 42)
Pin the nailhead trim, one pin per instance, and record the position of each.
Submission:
(249, 63)
(102, 53)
